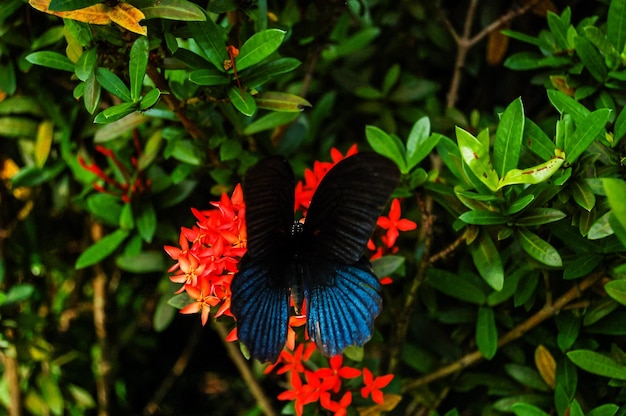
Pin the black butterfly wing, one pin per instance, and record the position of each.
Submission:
(341, 291)
(342, 309)
(260, 289)
(268, 192)
(346, 205)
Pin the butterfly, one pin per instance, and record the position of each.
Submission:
(320, 261)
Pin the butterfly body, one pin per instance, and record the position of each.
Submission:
(319, 261)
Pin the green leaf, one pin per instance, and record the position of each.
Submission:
(258, 47)
(146, 221)
(180, 10)
(601, 228)
(534, 175)
(212, 41)
(486, 332)
(86, 64)
(566, 104)
(91, 94)
(113, 84)
(538, 248)
(420, 142)
(386, 145)
(144, 262)
(524, 61)
(101, 249)
(106, 208)
(52, 60)
(115, 113)
(508, 141)
(591, 58)
(483, 218)
(616, 289)
(608, 409)
(263, 72)
(51, 393)
(245, 105)
(568, 326)
(230, 150)
(280, 101)
(137, 66)
(487, 260)
(540, 216)
(208, 76)
(519, 204)
(18, 293)
(581, 265)
(150, 99)
(615, 190)
(351, 45)
(537, 141)
(180, 301)
(459, 286)
(127, 219)
(586, 132)
(269, 121)
(527, 409)
(386, 265)
(526, 376)
(616, 24)
(597, 363)
(583, 195)
(476, 156)
(559, 30)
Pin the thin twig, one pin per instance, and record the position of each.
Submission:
(175, 372)
(12, 377)
(544, 313)
(241, 364)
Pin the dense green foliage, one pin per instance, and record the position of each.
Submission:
(508, 298)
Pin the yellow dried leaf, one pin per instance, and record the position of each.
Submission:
(74, 49)
(128, 16)
(546, 365)
(95, 15)
(560, 83)
(43, 142)
(391, 401)
(9, 169)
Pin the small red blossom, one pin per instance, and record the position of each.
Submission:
(339, 408)
(301, 393)
(373, 385)
(394, 224)
(335, 372)
(292, 361)
(203, 302)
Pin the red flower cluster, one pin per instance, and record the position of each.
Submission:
(325, 384)
(132, 182)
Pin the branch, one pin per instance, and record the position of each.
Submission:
(244, 370)
(12, 377)
(544, 313)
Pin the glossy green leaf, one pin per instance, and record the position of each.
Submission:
(33, 176)
(597, 363)
(181, 10)
(535, 174)
(212, 41)
(558, 28)
(524, 61)
(527, 409)
(476, 156)
(459, 286)
(269, 121)
(185, 151)
(540, 216)
(150, 99)
(583, 195)
(386, 145)
(486, 332)
(537, 141)
(483, 218)
(616, 289)
(180, 301)
(245, 105)
(113, 84)
(86, 64)
(208, 76)
(420, 142)
(586, 132)
(120, 127)
(487, 260)
(526, 376)
(608, 409)
(581, 265)
(519, 204)
(137, 66)
(105, 207)
(258, 47)
(280, 101)
(568, 326)
(265, 71)
(566, 104)
(508, 140)
(144, 262)
(115, 112)
(52, 60)
(616, 24)
(615, 190)
(352, 44)
(92, 93)
(101, 249)
(601, 228)
(146, 221)
(538, 248)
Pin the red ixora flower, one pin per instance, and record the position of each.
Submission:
(394, 224)
(335, 372)
(373, 385)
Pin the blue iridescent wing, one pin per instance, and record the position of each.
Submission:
(342, 293)
(342, 303)
(346, 205)
(260, 302)
(260, 290)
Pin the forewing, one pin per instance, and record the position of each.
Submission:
(342, 303)
(268, 192)
(260, 303)
(346, 205)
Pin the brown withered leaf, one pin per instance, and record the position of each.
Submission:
(128, 16)
(560, 83)
(546, 365)
(391, 401)
(497, 44)
(542, 7)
